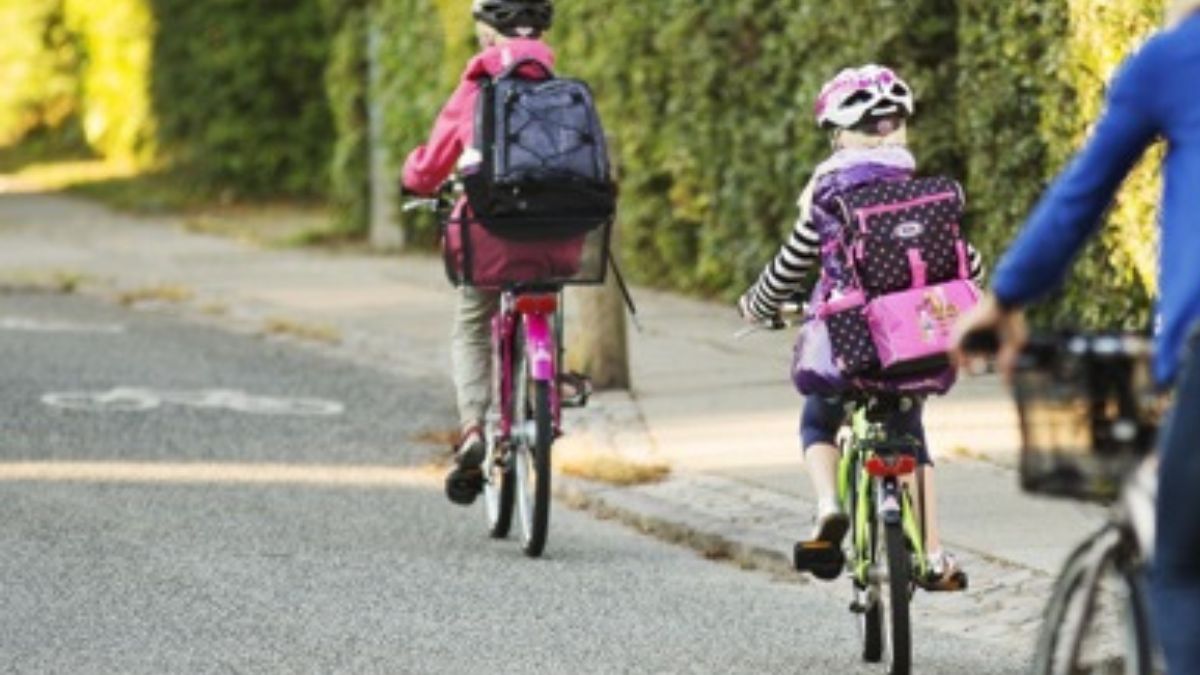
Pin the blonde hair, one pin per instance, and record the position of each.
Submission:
(488, 36)
(1178, 10)
(846, 139)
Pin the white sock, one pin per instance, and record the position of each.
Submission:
(827, 507)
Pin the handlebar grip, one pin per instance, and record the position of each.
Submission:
(984, 341)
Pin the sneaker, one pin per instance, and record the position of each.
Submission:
(831, 528)
(944, 573)
(822, 555)
(465, 480)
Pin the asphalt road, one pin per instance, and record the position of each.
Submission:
(192, 536)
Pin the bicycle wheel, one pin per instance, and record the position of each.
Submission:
(894, 596)
(868, 597)
(1098, 589)
(499, 491)
(533, 434)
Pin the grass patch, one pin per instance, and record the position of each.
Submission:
(58, 281)
(613, 470)
(438, 437)
(60, 165)
(215, 309)
(312, 332)
(164, 293)
(964, 452)
(268, 224)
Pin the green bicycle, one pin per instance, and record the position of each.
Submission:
(886, 552)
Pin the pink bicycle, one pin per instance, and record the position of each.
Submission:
(528, 415)
(528, 387)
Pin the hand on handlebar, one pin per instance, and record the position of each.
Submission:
(989, 330)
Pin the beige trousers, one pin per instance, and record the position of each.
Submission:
(471, 353)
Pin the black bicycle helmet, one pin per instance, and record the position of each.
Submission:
(509, 17)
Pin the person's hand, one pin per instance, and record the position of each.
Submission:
(743, 308)
(1008, 326)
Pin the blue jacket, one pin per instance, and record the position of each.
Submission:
(1156, 93)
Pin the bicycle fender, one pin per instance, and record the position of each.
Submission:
(539, 346)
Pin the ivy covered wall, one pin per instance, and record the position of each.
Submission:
(708, 106)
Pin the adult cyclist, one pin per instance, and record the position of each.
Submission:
(1152, 96)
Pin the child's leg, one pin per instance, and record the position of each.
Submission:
(818, 432)
(933, 537)
(949, 574)
(821, 460)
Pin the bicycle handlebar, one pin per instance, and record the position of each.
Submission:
(791, 313)
(442, 201)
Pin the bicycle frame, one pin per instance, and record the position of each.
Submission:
(533, 315)
(869, 496)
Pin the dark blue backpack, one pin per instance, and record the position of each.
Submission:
(544, 171)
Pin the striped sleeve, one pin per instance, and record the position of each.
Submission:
(785, 275)
(976, 268)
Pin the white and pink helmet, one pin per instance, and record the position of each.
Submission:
(857, 93)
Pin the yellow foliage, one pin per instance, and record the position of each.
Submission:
(458, 30)
(1103, 33)
(118, 38)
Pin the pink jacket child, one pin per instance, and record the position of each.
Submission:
(494, 262)
(428, 166)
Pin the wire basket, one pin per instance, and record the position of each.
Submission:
(483, 257)
(1089, 412)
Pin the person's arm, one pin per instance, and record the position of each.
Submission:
(428, 166)
(976, 270)
(785, 275)
(1072, 210)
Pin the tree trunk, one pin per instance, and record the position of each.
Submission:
(597, 343)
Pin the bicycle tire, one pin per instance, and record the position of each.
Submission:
(1072, 607)
(533, 435)
(899, 576)
(1138, 631)
(535, 457)
(872, 618)
(500, 492)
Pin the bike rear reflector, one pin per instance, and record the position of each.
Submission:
(899, 466)
(536, 304)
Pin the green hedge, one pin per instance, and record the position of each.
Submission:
(1027, 97)
(228, 94)
(239, 92)
(708, 105)
(346, 81)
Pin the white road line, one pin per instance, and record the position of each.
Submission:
(139, 399)
(319, 475)
(22, 324)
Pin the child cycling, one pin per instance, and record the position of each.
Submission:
(866, 112)
(508, 31)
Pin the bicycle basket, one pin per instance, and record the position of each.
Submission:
(477, 256)
(1088, 411)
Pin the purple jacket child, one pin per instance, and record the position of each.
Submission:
(813, 369)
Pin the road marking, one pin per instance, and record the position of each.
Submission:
(220, 473)
(27, 325)
(138, 399)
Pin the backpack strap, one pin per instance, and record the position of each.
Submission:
(513, 68)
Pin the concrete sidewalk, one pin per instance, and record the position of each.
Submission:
(721, 412)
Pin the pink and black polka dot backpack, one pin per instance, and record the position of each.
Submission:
(906, 265)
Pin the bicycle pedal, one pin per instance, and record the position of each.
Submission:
(957, 582)
(582, 387)
(822, 559)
